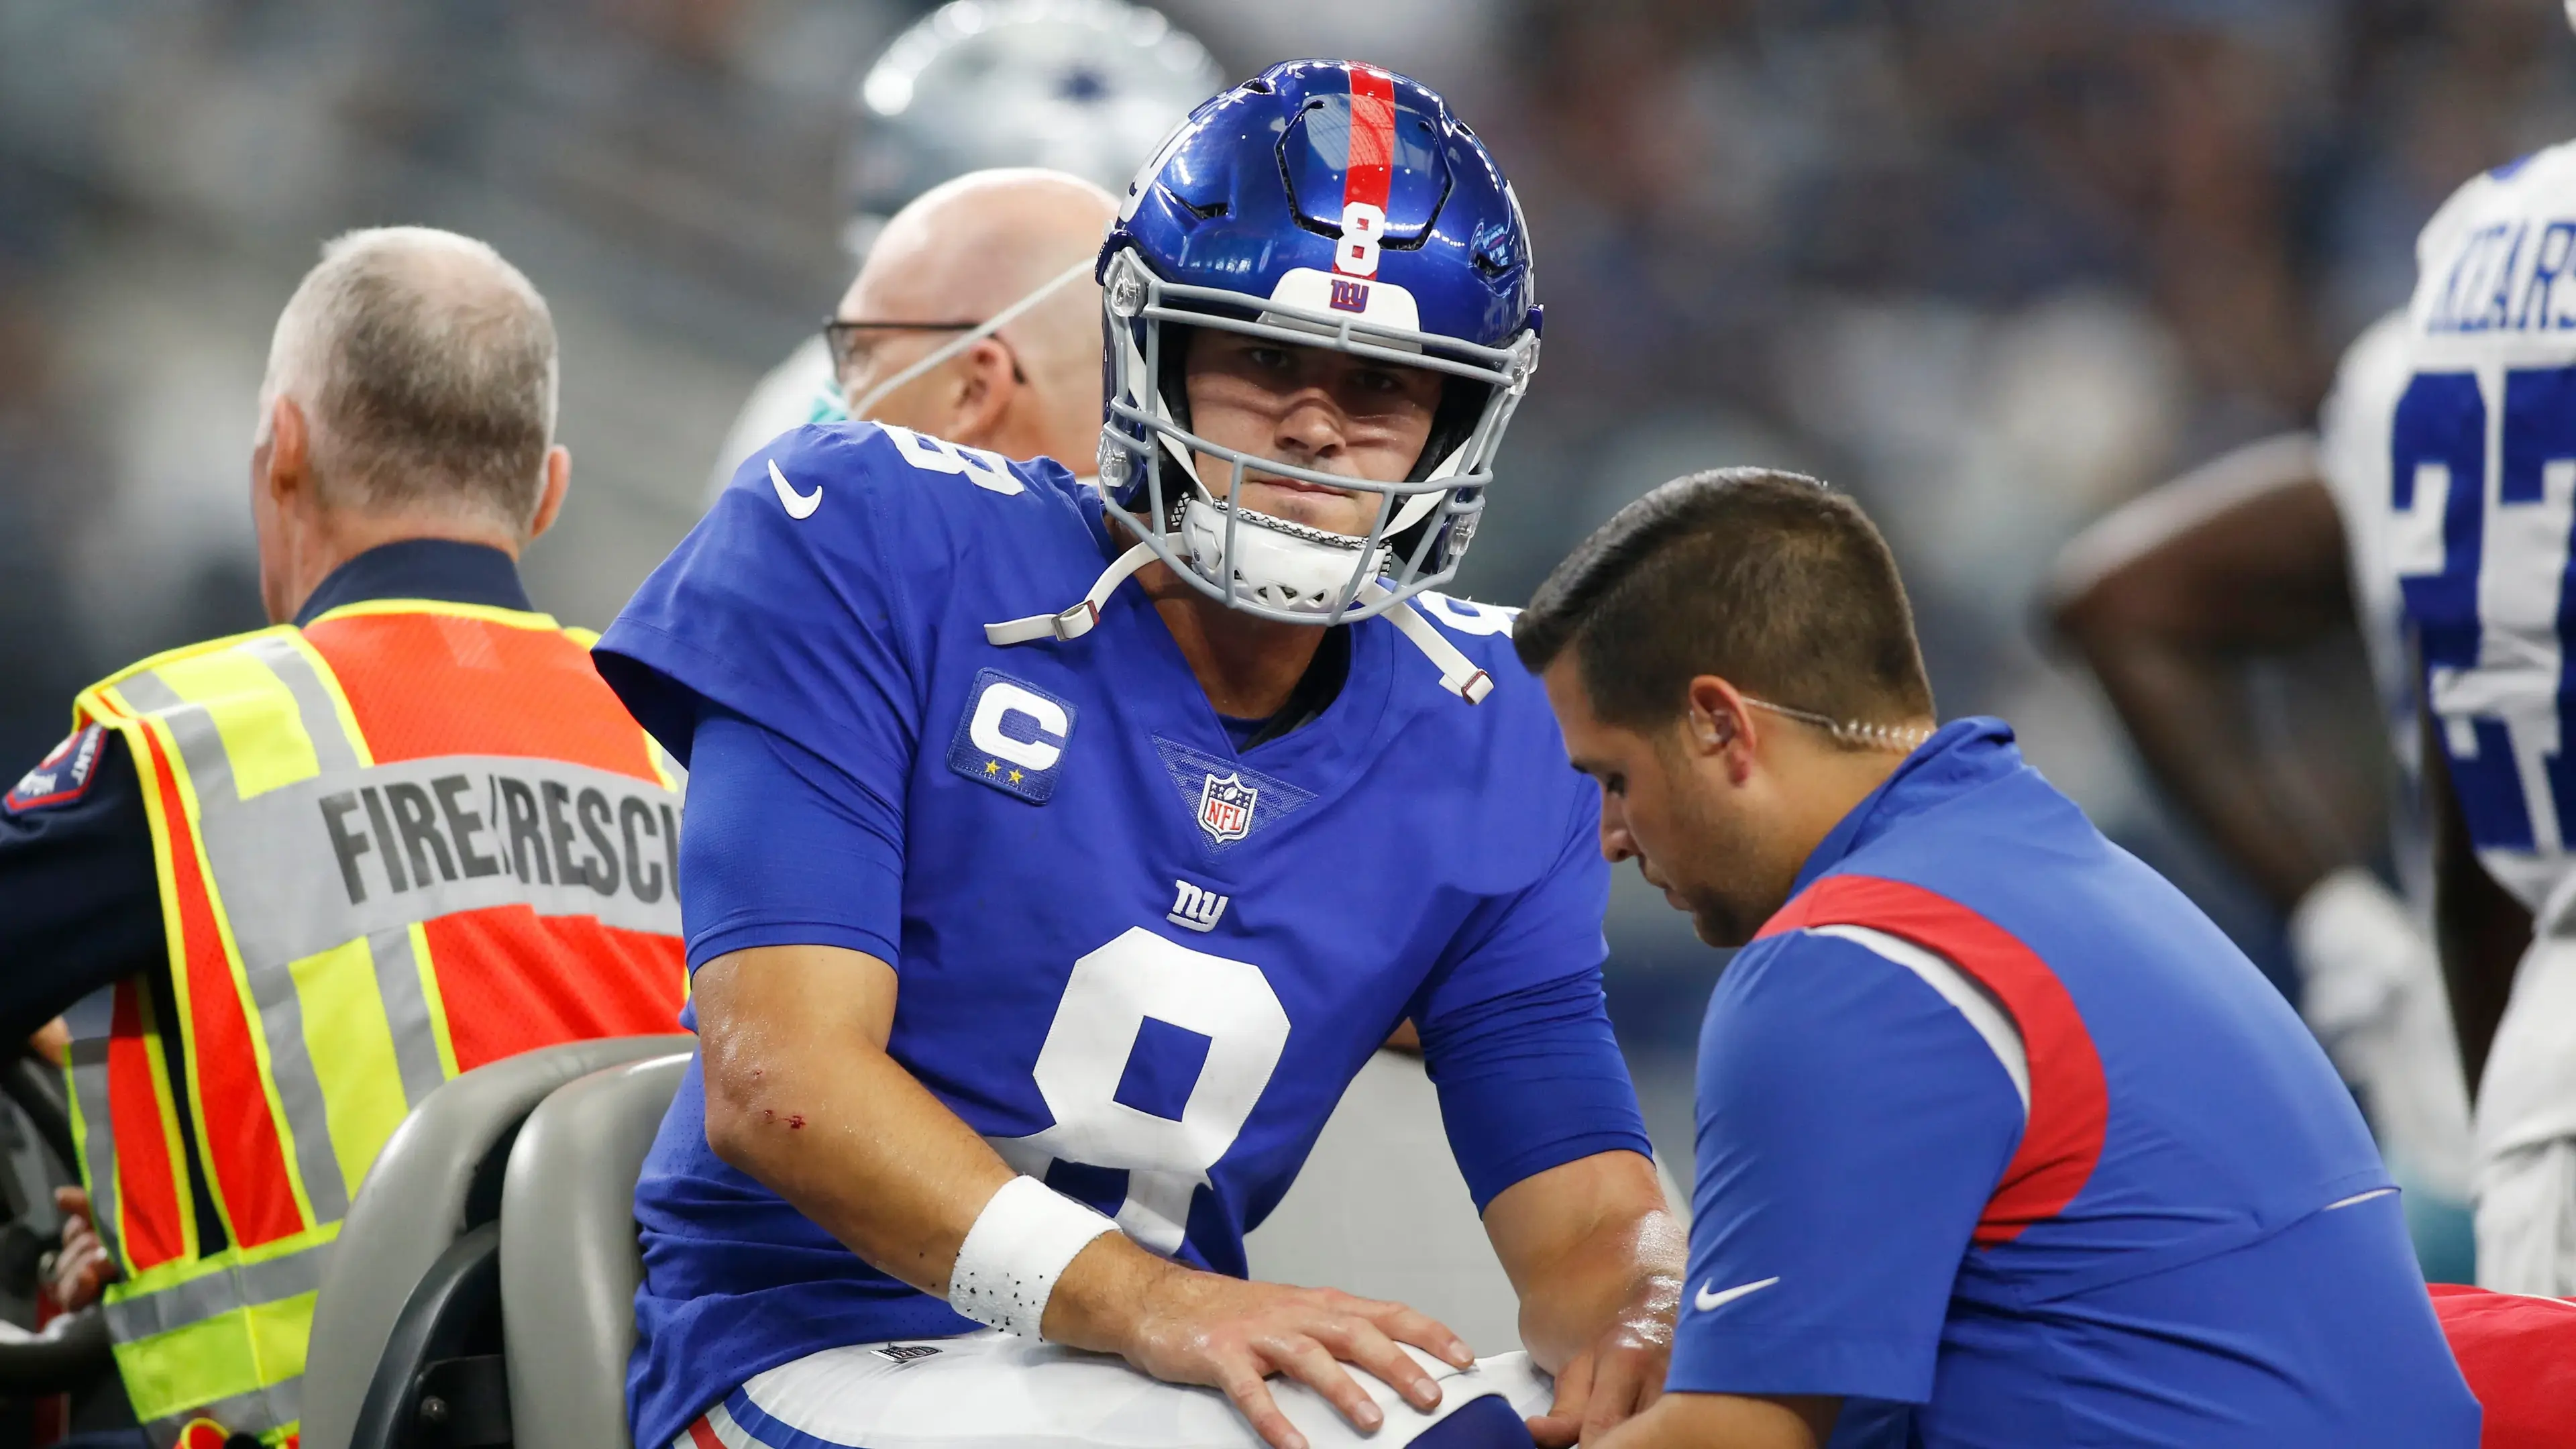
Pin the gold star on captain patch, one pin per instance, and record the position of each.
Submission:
(992, 767)
(1015, 777)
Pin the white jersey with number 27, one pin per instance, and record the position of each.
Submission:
(2482, 493)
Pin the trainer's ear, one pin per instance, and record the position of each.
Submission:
(1719, 728)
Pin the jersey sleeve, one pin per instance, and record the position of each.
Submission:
(1852, 1125)
(801, 624)
(780, 848)
(80, 906)
(1515, 1033)
(783, 639)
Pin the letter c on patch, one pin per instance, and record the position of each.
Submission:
(1003, 700)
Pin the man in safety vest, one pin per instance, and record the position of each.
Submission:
(283, 885)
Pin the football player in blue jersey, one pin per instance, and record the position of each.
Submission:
(1039, 920)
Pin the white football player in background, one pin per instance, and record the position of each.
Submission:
(1087, 87)
(2483, 492)
(2267, 553)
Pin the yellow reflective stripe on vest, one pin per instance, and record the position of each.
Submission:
(275, 718)
(244, 1357)
(268, 1413)
(481, 613)
(137, 1311)
(372, 1035)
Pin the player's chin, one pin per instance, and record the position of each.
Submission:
(1328, 509)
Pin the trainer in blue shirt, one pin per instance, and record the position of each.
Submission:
(1992, 1122)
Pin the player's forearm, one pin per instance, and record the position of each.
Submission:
(1590, 1246)
(1627, 1274)
(1728, 1421)
(802, 1096)
(2191, 718)
(2169, 597)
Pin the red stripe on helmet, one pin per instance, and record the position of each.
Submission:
(1372, 158)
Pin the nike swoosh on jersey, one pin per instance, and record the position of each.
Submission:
(798, 505)
(1706, 1300)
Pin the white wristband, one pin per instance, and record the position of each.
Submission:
(1021, 1243)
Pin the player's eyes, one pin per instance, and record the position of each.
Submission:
(1614, 785)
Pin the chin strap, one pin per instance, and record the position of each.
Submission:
(1458, 674)
(1080, 619)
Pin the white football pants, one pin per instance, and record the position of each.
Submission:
(2526, 1131)
(992, 1390)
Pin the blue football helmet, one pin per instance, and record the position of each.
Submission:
(1320, 204)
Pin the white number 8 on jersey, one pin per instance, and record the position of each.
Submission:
(1108, 1000)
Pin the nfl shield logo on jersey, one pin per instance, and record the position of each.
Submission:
(1225, 808)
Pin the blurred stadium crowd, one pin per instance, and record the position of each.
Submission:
(1996, 265)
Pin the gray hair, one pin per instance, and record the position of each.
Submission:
(426, 369)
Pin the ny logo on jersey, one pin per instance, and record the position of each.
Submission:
(1225, 807)
(1197, 909)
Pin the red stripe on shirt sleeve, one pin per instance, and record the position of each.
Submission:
(2070, 1102)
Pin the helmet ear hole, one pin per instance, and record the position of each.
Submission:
(1172, 377)
(1462, 406)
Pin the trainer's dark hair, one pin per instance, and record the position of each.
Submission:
(1771, 581)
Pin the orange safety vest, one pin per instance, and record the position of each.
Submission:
(395, 844)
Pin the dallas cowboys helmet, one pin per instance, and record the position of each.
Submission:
(1086, 86)
(1320, 204)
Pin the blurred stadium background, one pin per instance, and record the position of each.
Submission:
(1995, 265)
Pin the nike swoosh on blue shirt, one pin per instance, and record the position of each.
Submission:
(1708, 1300)
(798, 505)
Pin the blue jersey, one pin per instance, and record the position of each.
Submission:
(1992, 1121)
(1141, 962)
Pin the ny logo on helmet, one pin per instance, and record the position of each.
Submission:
(1225, 808)
(1350, 296)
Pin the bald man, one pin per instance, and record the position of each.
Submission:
(975, 319)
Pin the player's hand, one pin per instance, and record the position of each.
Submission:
(1205, 1328)
(81, 1267)
(1617, 1377)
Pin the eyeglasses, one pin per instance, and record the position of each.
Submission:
(843, 339)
